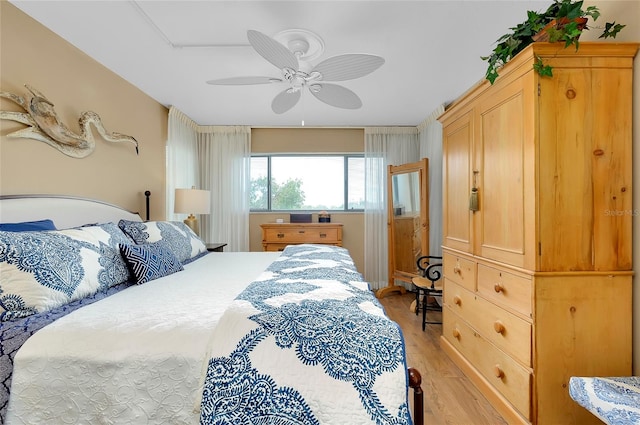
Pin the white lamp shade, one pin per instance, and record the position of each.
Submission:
(192, 201)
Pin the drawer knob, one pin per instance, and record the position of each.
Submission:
(457, 300)
(281, 235)
(498, 372)
(498, 327)
(456, 334)
(457, 270)
(323, 235)
(498, 288)
(300, 231)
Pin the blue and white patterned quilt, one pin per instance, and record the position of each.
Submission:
(614, 400)
(15, 333)
(306, 343)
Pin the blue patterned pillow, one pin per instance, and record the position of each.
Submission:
(28, 226)
(178, 236)
(41, 270)
(150, 261)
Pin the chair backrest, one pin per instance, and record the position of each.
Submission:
(431, 267)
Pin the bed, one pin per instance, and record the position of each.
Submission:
(137, 323)
(614, 400)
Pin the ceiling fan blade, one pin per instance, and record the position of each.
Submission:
(347, 67)
(335, 95)
(272, 51)
(285, 100)
(240, 81)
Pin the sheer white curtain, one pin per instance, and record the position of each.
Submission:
(383, 146)
(182, 162)
(430, 139)
(224, 154)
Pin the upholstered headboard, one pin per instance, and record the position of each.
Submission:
(64, 211)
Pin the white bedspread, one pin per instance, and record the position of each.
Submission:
(149, 342)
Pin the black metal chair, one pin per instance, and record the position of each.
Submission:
(428, 287)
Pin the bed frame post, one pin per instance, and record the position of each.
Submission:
(147, 194)
(415, 380)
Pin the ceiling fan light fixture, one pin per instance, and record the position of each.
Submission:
(299, 47)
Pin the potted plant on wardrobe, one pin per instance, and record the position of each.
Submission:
(563, 21)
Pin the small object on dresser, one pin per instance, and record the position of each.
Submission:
(300, 218)
(324, 217)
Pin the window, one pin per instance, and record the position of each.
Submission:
(307, 183)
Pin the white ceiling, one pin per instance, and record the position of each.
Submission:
(170, 48)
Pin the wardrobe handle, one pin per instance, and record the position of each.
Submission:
(473, 198)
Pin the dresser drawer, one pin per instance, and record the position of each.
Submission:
(299, 235)
(506, 289)
(460, 270)
(275, 246)
(512, 380)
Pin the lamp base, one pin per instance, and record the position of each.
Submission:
(192, 222)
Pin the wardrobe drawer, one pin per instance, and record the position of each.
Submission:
(460, 270)
(509, 332)
(506, 289)
(512, 380)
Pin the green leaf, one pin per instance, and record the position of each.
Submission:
(492, 74)
(593, 12)
(611, 29)
(542, 69)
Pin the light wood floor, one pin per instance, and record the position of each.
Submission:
(449, 397)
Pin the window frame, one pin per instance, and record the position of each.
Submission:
(345, 157)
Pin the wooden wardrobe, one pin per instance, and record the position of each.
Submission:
(538, 279)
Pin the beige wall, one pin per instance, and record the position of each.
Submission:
(73, 82)
(301, 140)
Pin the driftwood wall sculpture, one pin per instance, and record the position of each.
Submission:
(44, 125)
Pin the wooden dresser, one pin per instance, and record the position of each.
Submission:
(276, 236)
(538, 279)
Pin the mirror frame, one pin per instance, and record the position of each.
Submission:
(422, 168)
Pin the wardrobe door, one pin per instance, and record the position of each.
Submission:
(457, 182)
(505, 223)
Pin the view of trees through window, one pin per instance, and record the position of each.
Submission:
(309, 183)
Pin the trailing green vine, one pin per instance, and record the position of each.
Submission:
(563, 21)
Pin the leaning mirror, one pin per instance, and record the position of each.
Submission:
(407, 222)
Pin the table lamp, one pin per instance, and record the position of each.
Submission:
(192, 201)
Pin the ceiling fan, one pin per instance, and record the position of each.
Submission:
(299, 73)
